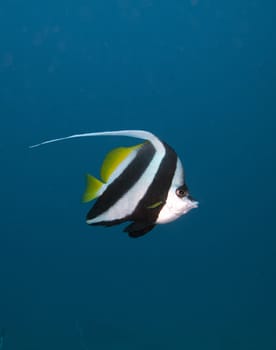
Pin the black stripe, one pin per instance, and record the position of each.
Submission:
(124, 181)
(158, 190)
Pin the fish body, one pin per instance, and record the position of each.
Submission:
(143, 184)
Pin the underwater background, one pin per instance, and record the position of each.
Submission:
(199, 74)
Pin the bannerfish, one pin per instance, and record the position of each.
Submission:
(143, 184)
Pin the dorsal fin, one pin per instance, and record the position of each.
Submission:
(140, 134)
(114, 158)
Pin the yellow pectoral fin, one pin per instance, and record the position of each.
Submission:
(92, 190)
(154, 205)
(114, 158)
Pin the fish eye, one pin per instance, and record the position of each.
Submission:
(182, 191)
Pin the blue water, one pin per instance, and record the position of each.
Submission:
(202, 76)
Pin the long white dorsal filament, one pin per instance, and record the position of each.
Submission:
(141, 134)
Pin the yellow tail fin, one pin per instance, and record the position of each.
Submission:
(92, 190)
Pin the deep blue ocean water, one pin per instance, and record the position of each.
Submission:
(201, 75)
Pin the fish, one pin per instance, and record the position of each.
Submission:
(142, 184)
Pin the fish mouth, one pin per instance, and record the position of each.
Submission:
(190, 204)
(194, 204)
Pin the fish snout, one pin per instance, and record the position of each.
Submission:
(193, 202)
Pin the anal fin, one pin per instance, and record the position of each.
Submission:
(138, 229)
